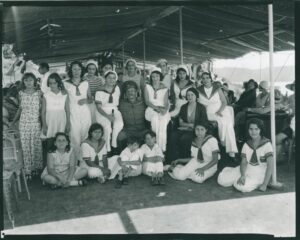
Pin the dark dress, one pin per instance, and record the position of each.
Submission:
(180, 141)
(246, 100)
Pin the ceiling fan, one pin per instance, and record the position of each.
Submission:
(50, 30)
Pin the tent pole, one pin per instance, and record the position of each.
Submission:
(181, 40)
(271, 48)
(144, 53)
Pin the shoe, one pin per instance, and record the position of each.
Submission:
(167, 167)
(161, 181)
(101, 180)
(125, 181)
(118, 183)
(53, 187)
(82, 182)
(152, 182)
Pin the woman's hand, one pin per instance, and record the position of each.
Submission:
(262, 188)
(82, 102)
(200, 172)
(111, 118)
(241, 180)
(219, 113)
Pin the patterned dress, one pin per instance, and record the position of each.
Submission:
(30, 131)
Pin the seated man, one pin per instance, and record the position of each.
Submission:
(133, 113)
(288, 132)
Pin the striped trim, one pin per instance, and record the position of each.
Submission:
(243, 155)
(262, 143)
(204, 141)
(213, 92)
(137, 162)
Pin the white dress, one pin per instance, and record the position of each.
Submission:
(80, 115)
(152, 159)
(55, 113)
(88, 152)
(129, 157)
(167, 81)
(44, 81)
(209, 146)
(111, 131)
(180, 96)
(256, 167)
(159, 122)
(210, 98)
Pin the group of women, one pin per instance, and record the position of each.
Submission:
(81, 121)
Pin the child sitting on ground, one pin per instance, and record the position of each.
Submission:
(129, 162)
(152, 159)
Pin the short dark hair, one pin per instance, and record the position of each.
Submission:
(93, 127)
(259, 123)
(44, 65)
(204, 124)
(177, 71)
(53, 147)
(57, 79)
(151, 133)
(133, 139)
(70, 74)
(28, 75)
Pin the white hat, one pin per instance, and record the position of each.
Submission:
(184, 68)
(110, 71)
(91, 61)
(264, 85)
(131, 60)
(160, 61)
(155, 69)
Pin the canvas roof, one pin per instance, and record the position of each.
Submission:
(209, 31)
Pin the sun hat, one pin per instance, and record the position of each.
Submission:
(264, 85)
(91, 61)
(291, 86)
(109, 72)
(183, 67)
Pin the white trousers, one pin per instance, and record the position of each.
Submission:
(254, 177)
(225, 128)
(159, 124)
(111, 131)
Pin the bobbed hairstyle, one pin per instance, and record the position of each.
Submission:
(26, 76)
(259, 123)
(53, 147)
(94, 127)
(70, 74)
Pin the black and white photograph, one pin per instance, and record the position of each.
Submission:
(149, 117)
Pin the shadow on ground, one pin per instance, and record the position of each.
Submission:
(52, 205)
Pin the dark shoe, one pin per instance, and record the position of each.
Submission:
(125, 181)
(118, 183)
(152, 182)
(161, 181)
(82, 182)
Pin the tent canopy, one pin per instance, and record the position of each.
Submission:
(209, 31)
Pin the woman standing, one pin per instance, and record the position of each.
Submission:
(190, 114)
(95, 83)
(255, 170)
(29, 124)
(215, 102)
(131, 74)
(79, 98)
(156, 98)
(163, 65)
(107, 102)
(204, 158)
(178, 90)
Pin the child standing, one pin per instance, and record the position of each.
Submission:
(129, 162)
(55, 108)
(152, 159)
(61, 170)
(29, 124)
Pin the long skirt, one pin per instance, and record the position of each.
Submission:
(255, 176)
(159, 124)
(187, 171)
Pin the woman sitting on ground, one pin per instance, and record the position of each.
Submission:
(256, 167)
(94, 153)
(62, 169)
(204, 158)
